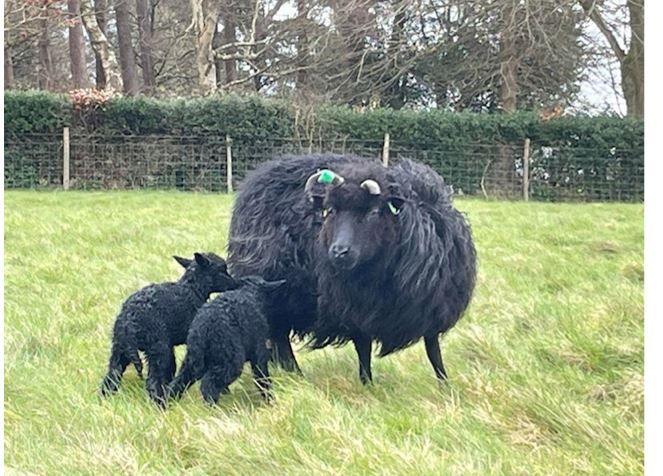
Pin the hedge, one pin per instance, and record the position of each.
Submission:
(588, 158)
(256, 118)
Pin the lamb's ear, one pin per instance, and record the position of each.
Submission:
(184, 262)
(202, 260)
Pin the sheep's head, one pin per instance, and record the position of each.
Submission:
(361, 207)
(209, 270)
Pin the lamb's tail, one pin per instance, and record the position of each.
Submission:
(127, 336)
(123, 352)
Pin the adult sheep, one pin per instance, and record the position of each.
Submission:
(368, 253)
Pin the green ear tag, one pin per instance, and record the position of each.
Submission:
(326, 176)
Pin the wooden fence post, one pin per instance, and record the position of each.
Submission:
(385, 150)
(229, 164)
(526, 170)
(65, 158)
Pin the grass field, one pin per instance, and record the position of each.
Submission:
(545, 368)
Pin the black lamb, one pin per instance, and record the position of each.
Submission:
(388, 256)
(227, 332)
(157, 317)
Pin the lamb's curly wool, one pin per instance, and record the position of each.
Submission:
(390, 267)
(227, 332)
(157, 317)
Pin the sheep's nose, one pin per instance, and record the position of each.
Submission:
(338, 251)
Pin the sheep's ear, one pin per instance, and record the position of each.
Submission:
(184, 262)
(395, 204)
(202, 260)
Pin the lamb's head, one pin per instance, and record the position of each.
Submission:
(361, 208)
(208, 270)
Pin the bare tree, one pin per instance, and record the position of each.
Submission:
(45, 70)
(127, 58)
(76, 46)
(205, 16)
(631, 57)
(144, 9)
(9, 67)
(108, 63)
(100, 11)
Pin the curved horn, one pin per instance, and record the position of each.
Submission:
(372, 186)
(311, 181)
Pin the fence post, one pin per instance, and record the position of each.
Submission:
(526, 170)
(229, 164)
(385, 150)
(65, 158)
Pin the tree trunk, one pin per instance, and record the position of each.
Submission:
(395, 91)
(229, 37)
(9, 67)
(205, 16)
(508, 60)
(109, 67)
(127, 59)
(45, 75)
(145, 39)
(100, 7)
(302, 45)
(500, 181)
(76, 46)
(633, 65)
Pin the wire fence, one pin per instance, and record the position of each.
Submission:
(200, 163)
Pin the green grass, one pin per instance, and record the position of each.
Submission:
(546, 368)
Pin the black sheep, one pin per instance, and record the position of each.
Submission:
(389, 255)
(157, 317)
(227, 332)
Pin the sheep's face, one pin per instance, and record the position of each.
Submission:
(359, 220)
(209, 270)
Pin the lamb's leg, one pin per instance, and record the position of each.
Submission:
(184, 380)
(217, 379)
(173, 365)
(116, 366)
(260, 369)
(434, 355)
(363, 347)
(282, 353)
(209, 389)
(191, 370)
(160, 358)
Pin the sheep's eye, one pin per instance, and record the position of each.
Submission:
(326, 212)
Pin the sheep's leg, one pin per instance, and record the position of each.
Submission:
(160, 358)
(282, 353)
(218, 378)
(173, 365)
(116, 366)
(183, 381)
(363, 348)
(435, 356)
(260, 369)
(209, 389)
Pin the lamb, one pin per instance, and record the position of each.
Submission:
(378, 254)
(157, 317)
(227, 332)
